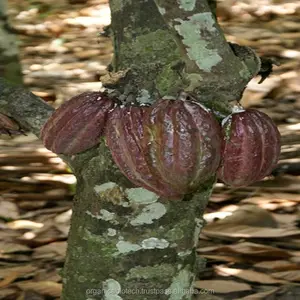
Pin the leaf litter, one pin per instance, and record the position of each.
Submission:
(251, 240)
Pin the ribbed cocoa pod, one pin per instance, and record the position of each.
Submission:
(77, 124)
(125, 136)
(170, 148)
(251, 148)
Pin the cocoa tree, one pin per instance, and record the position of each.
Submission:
(126, 242)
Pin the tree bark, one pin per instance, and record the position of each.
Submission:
(125, 242)
(10, 67)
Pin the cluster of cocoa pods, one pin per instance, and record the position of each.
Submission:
(172, 147)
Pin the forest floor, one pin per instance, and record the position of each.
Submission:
(251, 239)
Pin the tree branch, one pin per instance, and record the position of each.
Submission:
(31, 112)
(28, 110)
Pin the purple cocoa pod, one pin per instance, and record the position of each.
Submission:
(77, 124)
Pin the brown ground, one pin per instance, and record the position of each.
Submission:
(251, 240)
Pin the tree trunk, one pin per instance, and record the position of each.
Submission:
(125, 242)
(10, 67)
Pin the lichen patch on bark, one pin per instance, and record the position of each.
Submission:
(149, 213)
(199, 49)
(143, 97)
(161, 10)
(154, 243)
(111, 232)
(105, 186)
(141, 196)
(161, 271)
(181, 287)
(187, 5)
(104, 215)
(111, 289)
(199, 225)
(126, 247)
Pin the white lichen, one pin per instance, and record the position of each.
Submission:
(92, 215)
(198, 227)
(104, 187)
(111, 232)
(87, 235)
(153, 243)
(104, 215)
(150, 243)
(161, 10)
(111, 289)
(141, 196)
(194, 81)
(196, 32)
(143, 96)
(181, 285)
(149, 213)
(187, 5)
(126, 247)
(184, 253)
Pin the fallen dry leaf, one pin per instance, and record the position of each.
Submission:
(8, 279)
(293, 275)
(52, 250)
(37, 183)
(250, 215)
(47, 288)
(269, 203)
(8, 210)
(222, 286)
(24, 224)
(247, 248)
(9, 275)
(245, 231)
(277, 265)
(260, 295)
(20, 270)
(11, 247)
(224, 258)
(248, 275)
(8, 293)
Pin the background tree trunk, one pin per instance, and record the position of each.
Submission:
(10, 67)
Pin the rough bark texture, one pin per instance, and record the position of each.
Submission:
(125, 242)
(10, 67)
(177, 45)
(29, 110)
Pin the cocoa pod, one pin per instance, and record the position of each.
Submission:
(125, 137)
(170, 148)
(250, 149)
(77, 124)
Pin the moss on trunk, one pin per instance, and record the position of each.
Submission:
(125, 241)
